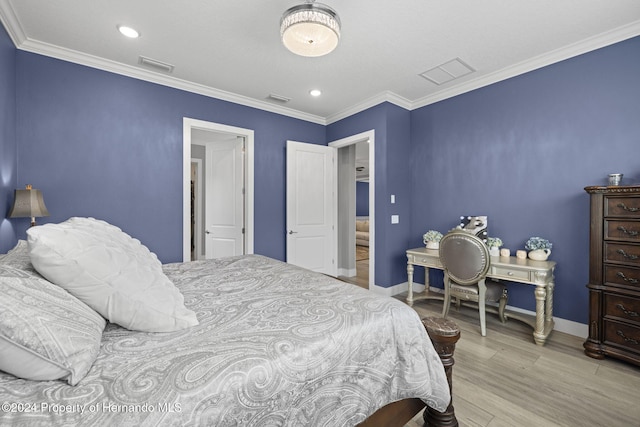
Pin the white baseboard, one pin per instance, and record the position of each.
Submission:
(562, 325)
(346, 272)
(396, 289)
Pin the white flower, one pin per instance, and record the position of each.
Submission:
(494, 242)
(431, 236)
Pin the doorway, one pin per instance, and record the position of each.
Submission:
(197, 133)
(346, 221)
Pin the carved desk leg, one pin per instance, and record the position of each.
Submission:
(541, 300)
(410, 281)
(444, 334)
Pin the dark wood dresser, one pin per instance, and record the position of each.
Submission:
(614, 273)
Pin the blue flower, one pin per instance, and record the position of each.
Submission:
(537, 243)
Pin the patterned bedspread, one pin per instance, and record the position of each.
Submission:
(276, 346)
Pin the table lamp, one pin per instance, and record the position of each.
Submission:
(28, 203)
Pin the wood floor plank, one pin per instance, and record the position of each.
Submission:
(505, 379)
(511, 412)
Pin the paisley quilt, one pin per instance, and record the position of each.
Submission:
(276, 345)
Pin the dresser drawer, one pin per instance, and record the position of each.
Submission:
(622, 307)
(618, 275)
(627, 230)
(425, 260)
(509, 273)
(623, 207)
(621, 253)
(622, 335)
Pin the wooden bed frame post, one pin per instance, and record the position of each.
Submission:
(444, 334)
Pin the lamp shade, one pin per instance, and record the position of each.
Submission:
(310, 29)
(28, 203)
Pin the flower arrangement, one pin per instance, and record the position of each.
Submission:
(494, 242)
(537, 243)
(431, 236)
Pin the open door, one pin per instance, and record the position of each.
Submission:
(311, 207)
(225, 199)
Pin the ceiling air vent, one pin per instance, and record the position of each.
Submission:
(448, 71)
(278, 98)
(156, 65)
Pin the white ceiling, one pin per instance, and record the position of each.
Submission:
(230, 49)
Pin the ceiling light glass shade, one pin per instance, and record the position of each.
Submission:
(310, 29)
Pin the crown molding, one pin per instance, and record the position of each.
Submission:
(540, 61)
(10, 21)
(386, 96)
(68, 55)
(12, 25)
(584, 46)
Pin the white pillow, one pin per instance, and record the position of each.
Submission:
(45, 333)
(111, 272)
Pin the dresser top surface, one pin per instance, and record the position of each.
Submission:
(614, 189)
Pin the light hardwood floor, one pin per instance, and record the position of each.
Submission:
(362, 270)
(504, 379)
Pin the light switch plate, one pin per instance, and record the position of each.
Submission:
(395, 219)
(393, 198)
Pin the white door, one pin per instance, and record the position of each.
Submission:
(311, 202)
(224, 200)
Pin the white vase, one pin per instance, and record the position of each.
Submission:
(540, 254)
(494, 251)
(433, 245)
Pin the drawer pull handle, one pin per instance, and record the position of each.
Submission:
(627, 312)
(626, 339)
(632, 257)
(631, 280)
(631, 233)
(626, 208)
(510, 273)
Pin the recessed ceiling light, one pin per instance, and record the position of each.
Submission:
(315, 92)
(128, 32)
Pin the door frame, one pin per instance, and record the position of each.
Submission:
(350, 140)
(198, 219)
(188, 125)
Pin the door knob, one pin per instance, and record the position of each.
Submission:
(293, 232)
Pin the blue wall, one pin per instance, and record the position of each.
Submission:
(521, 151)
(7, 138)
(392, 150)
(362, 198)
(103, 145)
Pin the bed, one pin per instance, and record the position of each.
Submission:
(274, 345)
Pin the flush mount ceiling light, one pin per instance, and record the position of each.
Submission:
(310, 29)
(315, 92)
